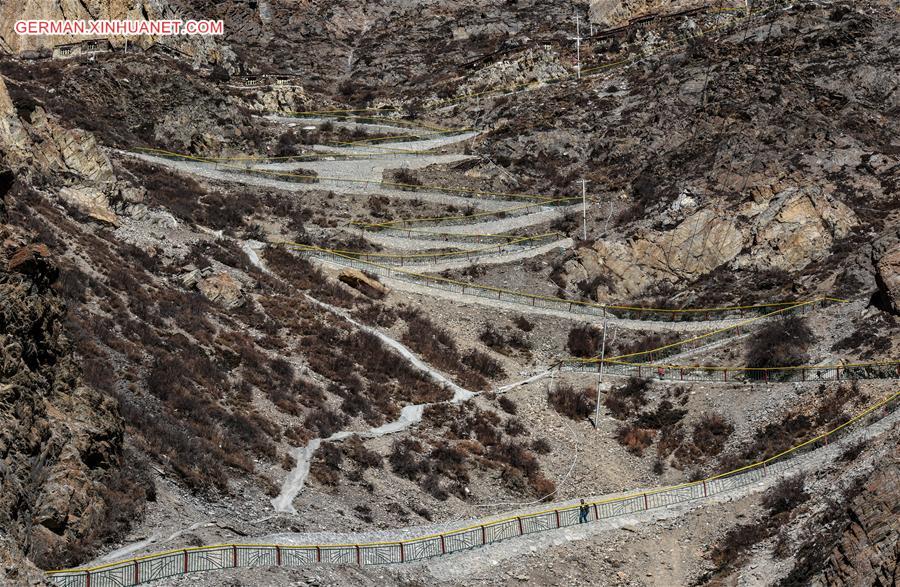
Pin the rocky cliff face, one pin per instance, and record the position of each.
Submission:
(788, 231)
(59, 440)
(868, 553)
(42, 147)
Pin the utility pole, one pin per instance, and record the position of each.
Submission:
(584, 208)
(578, 42)
(600, 377)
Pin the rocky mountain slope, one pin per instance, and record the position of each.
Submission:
(167, 373)
(65, 483)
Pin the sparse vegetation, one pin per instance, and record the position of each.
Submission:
(572, 403)
(584, 341)
(782, 342)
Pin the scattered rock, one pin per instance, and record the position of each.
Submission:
(223, 289)
(888, 277)
(369, 286)
(90, 201)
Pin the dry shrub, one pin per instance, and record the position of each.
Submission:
(786, 495)
(635, 439)
(541, 446)
(711, 432)
(572, 403)
(737, 542)
(584, 341)
(507, 405)
(362, 456)
(663, 416)
(542, 487)
(325, 421)
(503, 341)
(404, 459)
(523, 324)
(483, 364)
(406, 177)
(624, 401)
(783, 342)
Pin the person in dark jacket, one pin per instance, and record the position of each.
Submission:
(583, 512)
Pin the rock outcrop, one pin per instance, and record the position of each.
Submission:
(868, 553)
(58, 438)
(888, 277)
(362, 282)
(533, 65)
(796, 227)
(217, 286)
(43, 147)
(223, 289)
(788, 231)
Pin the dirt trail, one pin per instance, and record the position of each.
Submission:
(643, 325)
(211, 171)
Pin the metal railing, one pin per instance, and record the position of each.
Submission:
(517, 245)
(718, 373)
(575, 307)
(173, 563)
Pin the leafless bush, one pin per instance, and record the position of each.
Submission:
(780, 343)
(572, 403)
(503, 341)
(624, 401)
(362, 456)
(664, 415)
(711, 432)
(523, 324)
(786, 495)
(584, 341)
(483, 364)
(404, 459)
(514, 427)
(325, 421)
(541, 446)
(635, 439)
(406, 178)
(507, 405)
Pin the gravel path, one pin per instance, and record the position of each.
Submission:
(349, 125)
(510, 223)
(209, 171)
(425, 265)
(371, 169)
(454, 296)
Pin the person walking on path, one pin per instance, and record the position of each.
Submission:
(583, 512)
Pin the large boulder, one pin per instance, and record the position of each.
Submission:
(90, 201)
(369, 286)
(700, 243)
(796, 227)
(888, 277)
(223, 289)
